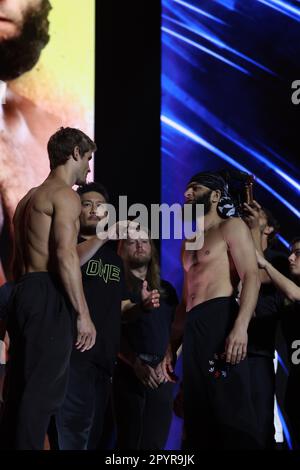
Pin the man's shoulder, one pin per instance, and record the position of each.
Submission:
(233, 225)
(63, 195)
(232, 222)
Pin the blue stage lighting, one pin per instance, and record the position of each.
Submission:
(284, 368)
(283, 7)
(204, 143)
(198, 10)
(214, 122)
(283, 241)
(202, 33)
(285, 428)
(205, 49)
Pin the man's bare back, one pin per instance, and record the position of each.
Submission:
(33, 222)
(210, 271)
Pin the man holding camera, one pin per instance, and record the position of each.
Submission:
(263, 326)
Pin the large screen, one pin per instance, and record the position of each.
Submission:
(47, 71)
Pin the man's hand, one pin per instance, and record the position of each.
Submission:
(262, 262)
(146, 374)
(251, 216)
(86, 333)
(150, 299)
(119, 230)
(165, 368)
(236, 344)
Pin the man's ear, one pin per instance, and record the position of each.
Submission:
(76, 153)
(216, 196)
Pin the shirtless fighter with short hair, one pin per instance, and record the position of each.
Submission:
(217, 404)
(48, 289)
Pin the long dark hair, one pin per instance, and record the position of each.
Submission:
(153, 271)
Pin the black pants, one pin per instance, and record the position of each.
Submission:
(262, 380)
(218, 408)
(80, 420)
(40, 327)
(143, 415)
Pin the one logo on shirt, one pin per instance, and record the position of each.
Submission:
(109, 272)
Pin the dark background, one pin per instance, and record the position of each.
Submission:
(127, 120)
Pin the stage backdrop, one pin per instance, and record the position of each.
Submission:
(228, 72)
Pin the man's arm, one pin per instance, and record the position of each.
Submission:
(177, 328)
(150, 299)
(88, 248)
(285, 285)
(146, 374)
(242, 251)
(252, 220)
(65, 230)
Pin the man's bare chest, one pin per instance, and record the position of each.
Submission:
(213, 249)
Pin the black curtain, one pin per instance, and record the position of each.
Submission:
(127, 123)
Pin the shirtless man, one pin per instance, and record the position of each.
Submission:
(24, 126)
(48, 289)
(217, 404)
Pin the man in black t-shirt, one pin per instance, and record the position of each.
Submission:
(263, 326)
(80, 419)
(143, 389)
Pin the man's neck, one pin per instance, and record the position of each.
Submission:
(210, 220)
(140, 272)
(63, 173)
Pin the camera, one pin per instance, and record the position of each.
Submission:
(240, 187)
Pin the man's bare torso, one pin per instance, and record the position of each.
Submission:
(209, 272)
(33, 228)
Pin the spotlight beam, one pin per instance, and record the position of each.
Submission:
(205, 49)
(204, 143)
(199, 11)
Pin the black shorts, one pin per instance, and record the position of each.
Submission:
(40, 325)
(218, 406)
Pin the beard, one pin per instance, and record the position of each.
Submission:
(142, 260)
(20, 54)
(203, 199)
